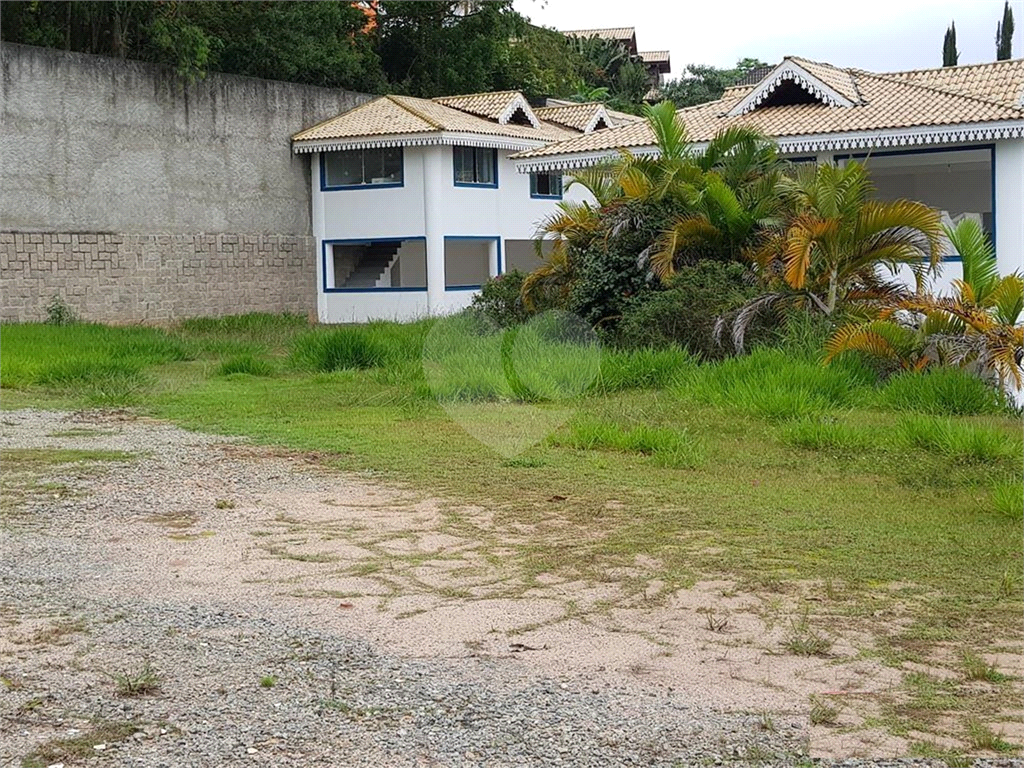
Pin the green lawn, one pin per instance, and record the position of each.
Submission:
(769, 470)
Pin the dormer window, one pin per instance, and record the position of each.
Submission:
(519, 117)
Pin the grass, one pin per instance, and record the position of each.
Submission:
(268, 681)
(823, 713)
(982, 738)
(81, 747)
(791, 470)
(138, 682)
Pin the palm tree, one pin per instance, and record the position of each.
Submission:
(978, 326)
(730, 204)
(829, 252)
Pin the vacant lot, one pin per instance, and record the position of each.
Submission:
(763, 537)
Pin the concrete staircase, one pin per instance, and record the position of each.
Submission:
(376, 258)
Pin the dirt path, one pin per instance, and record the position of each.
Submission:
(221, 565)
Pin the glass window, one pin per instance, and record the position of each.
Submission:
(546, 184)
(475, 165)
(357, 167)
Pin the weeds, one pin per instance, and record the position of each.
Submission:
(941, 391)
(823, 713)
(715, 622)
(982, 737)
(268, 681)
(246, 364)
(976, 668)
(80, 747)
(139, 682)
(1008, 501)
(963, 442)
(803, 640)
(59, 313)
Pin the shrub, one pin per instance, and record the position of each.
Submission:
(500, 299)
(249, 364)
(59, 313)
(336, 350)
(939, 391)
(684, 314)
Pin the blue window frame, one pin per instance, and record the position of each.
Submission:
(475, 166)
(546, 185)
(362, 168)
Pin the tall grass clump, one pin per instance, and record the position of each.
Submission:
(337, 349)
(959, 441)
(817, 434)
(246, 364)
(644, 368)
(1008, 500)
(941, 391)
(673, 448)
(106, 365)
(251, 333)
(778, 384)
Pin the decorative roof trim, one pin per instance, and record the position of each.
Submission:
(518, 102)
(581, 160)
(449, 138)
(599, 114)
(828, 142)
(789, 70)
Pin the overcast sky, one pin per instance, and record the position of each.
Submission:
(879, 35)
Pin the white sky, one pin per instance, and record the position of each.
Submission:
(878, 35)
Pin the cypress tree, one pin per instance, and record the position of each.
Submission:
(1004, 34)
(949, 51)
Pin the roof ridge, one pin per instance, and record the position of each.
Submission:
(392, 98)
(887, 77)
(848, 71)
(356, 108)
(438, 99)
(939, 69)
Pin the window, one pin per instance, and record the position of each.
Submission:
(476, 166)
(546, 185)
(380, 166)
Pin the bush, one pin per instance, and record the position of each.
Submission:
(941, 391)
(500, 299)
(337, 350)
(684, 314)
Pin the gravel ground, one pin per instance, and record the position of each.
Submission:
(247, 677)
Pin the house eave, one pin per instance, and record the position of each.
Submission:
(928, 135)
(450, 138)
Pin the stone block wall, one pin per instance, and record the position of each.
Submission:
(137, 197)
(132, 278)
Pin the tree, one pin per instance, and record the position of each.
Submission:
(702, 83)
(950, 55)
(1004, 34)
(977, 326)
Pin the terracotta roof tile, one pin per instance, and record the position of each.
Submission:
(489, 105)
(887, 101)
(397, 115)
(839, 80)
(613, 33)
(580, 117)
(654, 56)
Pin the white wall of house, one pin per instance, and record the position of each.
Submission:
(429, 205)
(1010, 205)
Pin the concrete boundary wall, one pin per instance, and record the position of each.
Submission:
(139, 198)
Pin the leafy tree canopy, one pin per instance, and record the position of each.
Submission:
(703, 83)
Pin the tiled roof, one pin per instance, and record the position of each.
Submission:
(398, 115)
(615, 33)
(839, 80)
(489, 105)
(580, 117)
(1001, 81)
(884, 102)
(654, 56)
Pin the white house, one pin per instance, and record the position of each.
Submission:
(416, 202)
(952, 138)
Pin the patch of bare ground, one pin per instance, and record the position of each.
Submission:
(423, 578)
